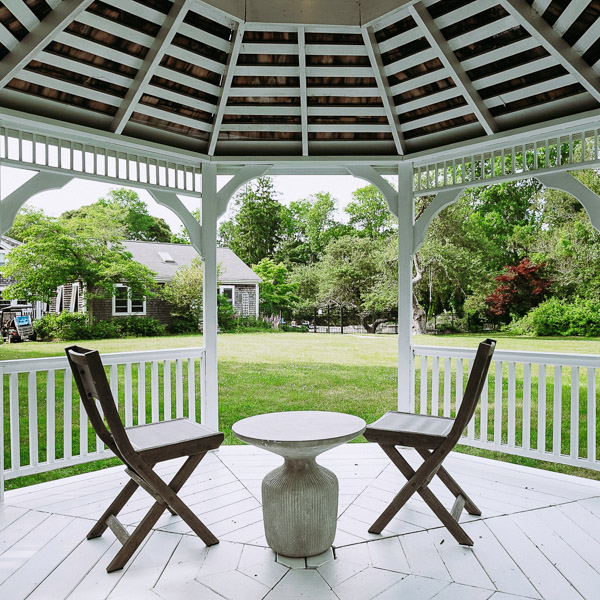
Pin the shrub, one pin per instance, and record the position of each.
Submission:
(559, 317)
(225, 314)
(183, 324)
(140, 326)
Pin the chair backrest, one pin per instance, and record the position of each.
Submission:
(477, 377)
(93, 385)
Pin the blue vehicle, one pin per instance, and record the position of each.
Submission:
(16, 322)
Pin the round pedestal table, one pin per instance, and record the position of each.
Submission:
(300, 498)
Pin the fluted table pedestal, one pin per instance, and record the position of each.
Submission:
(300, 498)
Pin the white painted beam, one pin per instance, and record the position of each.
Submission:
(230, 68)
(183, 79)
(436, 39)
(368, 173)
(165, 35)
(40, 182)
(153, 111)
(384, 90)
(537, 27)
(303, 96)
(115, 28)
(243, 176)
(23, 13)
(41, 36)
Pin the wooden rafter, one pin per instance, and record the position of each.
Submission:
(551, 40)
(64, 14)
(303, 95)
(384, 89)
(150, 64)
(238, 36)
(437, 40)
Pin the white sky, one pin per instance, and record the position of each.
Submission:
(83, 191)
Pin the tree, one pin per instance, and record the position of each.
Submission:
(26, 218)
(56, 251)
(521, 288)
(128, 213)
(184, 291)
(276, 292)
(369, 213)
(255, 230)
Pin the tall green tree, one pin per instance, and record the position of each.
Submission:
(56, 251)
(276, 292)
(255, 229)
(129, 213)
(369, 213)
(184, 291)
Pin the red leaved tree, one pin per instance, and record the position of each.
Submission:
(520, 288)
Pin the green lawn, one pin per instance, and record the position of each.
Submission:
(265, 372)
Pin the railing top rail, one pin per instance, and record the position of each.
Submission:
(547, 358)
(114, 358)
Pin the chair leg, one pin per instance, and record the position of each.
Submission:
(416, 482)
(114, 509)
(453, 486)
(169, 500)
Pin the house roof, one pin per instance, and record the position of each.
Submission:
(240, 78)
(157, 256)
(7, 243)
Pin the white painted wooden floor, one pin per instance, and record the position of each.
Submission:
(539, 537)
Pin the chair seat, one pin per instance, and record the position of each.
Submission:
(408, 429)
(172, 439)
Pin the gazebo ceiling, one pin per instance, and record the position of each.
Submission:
(301, 77)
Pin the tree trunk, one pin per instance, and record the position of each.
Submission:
(371, 327)
(419, 319)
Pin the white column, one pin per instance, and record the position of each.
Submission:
(210, 404)
(406, 400)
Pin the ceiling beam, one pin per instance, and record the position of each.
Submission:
(384, 88)
(303, 96)
(551, 40)
(62, 16)
(437, 40)
(238, 36)
(151, 63)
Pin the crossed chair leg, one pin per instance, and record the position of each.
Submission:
(418, 481)
(166, 499)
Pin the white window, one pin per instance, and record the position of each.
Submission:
(74, 298)
(125, 304)
(245, 304)
(228, 292)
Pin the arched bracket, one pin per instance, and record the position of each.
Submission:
(442, 200)
(171, 201)
(567, 183)
(40, 182)
(244, 175)
(372, 176)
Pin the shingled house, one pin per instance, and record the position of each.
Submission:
(237, 282)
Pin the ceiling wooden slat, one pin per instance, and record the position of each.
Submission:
(23, 13)
(118, 29)
(303, 96)
(188, 80)
(553, 42)
(56, 21)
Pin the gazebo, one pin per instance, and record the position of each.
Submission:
(443, 95)
(167, 95)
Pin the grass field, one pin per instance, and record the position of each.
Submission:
(266, 372)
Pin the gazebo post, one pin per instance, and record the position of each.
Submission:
(209, 296)
(406, 401)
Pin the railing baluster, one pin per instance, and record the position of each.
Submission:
(498, 403)
(511, 404)
(574, 438)
(167, 389)
(33, 418)
(128, 385)
(68, 414)
(154, 395)
(423, 392)
(178, 388)
(591, 414)
(458, 385)
(141, 393)
(50, 417)
(526, 441)
(471, 425)
(557, 410)
(15, 435)
(541, 442)
(435, 385)
(83, 430)
(483, 419)
(447, 385)
(191, 389)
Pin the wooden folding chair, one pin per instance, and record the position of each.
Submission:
(433, 438)
(140, 448)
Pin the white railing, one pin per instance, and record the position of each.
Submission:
(535, 404)
(47, 425)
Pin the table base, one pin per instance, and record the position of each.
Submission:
(300, 503)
